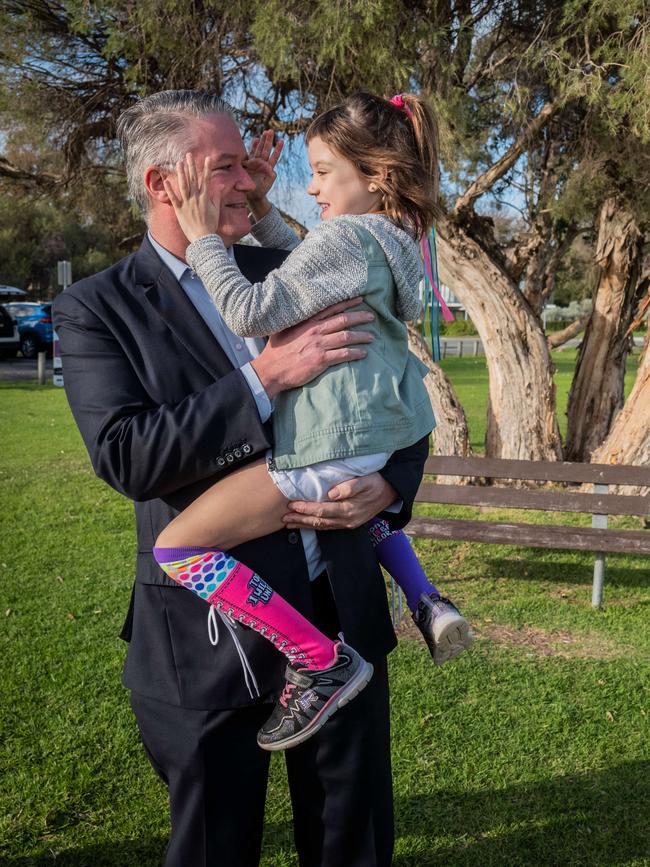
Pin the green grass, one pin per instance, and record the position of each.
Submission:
(530, 750)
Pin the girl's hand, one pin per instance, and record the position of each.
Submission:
(260, 165)
(196, 209)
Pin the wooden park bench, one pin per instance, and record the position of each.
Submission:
(599, 503)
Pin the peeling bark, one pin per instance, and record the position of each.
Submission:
(628, 442)
(522, 422)
(597, 394)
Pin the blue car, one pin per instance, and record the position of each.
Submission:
(9, 340)
(34, 326)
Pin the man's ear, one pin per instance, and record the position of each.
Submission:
(153, 181)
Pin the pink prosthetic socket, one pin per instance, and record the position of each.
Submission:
(239, 592)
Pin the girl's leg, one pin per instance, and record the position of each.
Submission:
(241, 594)
(246, 505)
(394, 552)
(443, 627)
(192, 551)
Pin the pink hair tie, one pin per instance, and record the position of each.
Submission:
(398, 101)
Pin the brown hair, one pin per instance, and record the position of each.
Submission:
(396, 148)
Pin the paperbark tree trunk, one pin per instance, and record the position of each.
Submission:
(451, 435)
(522, 422)
(628, 442)
(597, 394)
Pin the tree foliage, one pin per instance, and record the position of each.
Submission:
(543, 105)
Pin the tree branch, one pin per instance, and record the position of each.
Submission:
(558, 338)
(8, 170)
(487, 180)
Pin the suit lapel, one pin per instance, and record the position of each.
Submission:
(166, 296)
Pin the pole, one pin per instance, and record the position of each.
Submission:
(41, 368)
(64, 274)
(599, 521)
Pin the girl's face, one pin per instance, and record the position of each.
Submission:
(338, 186)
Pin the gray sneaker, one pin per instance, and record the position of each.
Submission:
(310, 697)
(443, 627)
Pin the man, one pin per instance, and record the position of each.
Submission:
(167, 400)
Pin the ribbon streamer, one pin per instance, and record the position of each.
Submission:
(433, 300)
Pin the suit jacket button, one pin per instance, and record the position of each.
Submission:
(229, 457)
(237, 453)
(221, 462)
(247, 449)
(293, 537)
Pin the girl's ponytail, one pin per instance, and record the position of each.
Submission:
(425, 131)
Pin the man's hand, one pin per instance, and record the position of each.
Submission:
(299, 354)
(352, 503)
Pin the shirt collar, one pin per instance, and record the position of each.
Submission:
(178, 268)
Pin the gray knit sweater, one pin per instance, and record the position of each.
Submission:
(326, 267)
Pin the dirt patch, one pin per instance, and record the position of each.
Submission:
(537, 642)
(556, 643)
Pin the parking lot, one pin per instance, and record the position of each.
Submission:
(22, 369)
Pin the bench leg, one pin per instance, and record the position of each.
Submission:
(599, 581)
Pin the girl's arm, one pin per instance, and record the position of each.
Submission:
(327, 267)
(272, 231)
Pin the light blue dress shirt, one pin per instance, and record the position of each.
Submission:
(239, 350)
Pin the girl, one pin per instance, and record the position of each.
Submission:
(374, 166)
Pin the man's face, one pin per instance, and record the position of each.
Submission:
(217, 136)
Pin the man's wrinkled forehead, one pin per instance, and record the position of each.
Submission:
(217, 134)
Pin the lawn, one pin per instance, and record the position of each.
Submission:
(532, 749)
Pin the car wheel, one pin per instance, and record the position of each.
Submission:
(29, 346)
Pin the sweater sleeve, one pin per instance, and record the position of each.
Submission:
(272, 231)
(327, 267)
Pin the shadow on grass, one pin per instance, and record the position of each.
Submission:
(127, 853)
(593, 819)
(565, 572)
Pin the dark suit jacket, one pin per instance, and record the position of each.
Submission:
(163, 415)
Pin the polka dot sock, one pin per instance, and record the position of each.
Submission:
(239, 592)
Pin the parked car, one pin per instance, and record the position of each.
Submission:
(34, 326)
(9, 338)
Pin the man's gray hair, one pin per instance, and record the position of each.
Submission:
(156, 132)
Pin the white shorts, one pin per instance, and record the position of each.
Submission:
(313, 483)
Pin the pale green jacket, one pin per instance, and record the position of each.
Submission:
(377, 404)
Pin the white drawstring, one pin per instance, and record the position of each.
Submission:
(213, 627)
(231, 625)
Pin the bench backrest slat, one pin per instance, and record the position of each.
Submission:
(533, 535)
(542, 471)
(548, 501)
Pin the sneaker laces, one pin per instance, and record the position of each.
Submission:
(287, 693)
(293, 654)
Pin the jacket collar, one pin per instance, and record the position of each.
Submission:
(165, 294)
